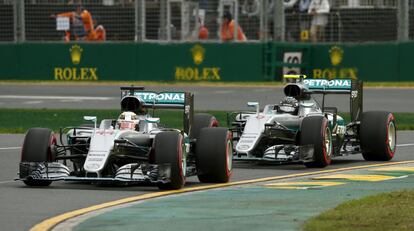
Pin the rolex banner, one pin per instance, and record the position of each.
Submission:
(131, 62)
(203, 62)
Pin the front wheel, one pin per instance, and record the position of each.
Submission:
(378, 135)
(315, 131)
(170, 149)
(214, 155)
(38, 147)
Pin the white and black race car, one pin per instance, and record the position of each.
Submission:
(299, 129)
(133, 148)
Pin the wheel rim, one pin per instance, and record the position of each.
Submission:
(327, 142)
(229, 156)
(391, 136)
(183, 160)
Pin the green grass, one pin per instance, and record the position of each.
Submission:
(19, 120)
(387, 211)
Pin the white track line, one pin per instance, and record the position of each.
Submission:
(404, 145)
(10, 148)
(33, 102)
(54, 97)
(4, 182)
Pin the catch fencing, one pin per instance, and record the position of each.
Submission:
(181, 20)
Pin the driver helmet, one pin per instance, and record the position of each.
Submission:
(289, 105)
(127, 120)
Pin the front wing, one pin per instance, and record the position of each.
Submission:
(130, 173)
(303, 153)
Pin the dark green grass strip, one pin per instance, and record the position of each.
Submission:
(387, 211)
(19, 120)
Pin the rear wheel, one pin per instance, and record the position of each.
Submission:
(170, 149)
(214, 155)
(38, 147)
(315, 131)
(202, 120)
(378, 135)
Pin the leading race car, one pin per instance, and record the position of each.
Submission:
(299, 129)
(133, 148)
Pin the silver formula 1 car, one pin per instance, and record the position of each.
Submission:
(299, 129)
(133, 148)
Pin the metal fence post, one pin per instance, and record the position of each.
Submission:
(15, 21)
(278, 21)
(264, 21)
(164, 27)
(137, 21)
(403, 20)
(20, 35)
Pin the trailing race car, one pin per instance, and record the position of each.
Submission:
(299, 129)
(133, 148)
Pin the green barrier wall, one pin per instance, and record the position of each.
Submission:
(202, 62)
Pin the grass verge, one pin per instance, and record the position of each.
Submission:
(19, 120)
(387, 211)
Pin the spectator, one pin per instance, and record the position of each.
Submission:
(202, 31)
(82, 24)
(100, 31)
(227, 29)
(319, 10)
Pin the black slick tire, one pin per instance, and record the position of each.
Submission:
(202, 120)
(214, 153)
(169, 149)
(38, 147)
(378, 135)
(315, 131)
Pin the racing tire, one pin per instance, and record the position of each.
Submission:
(315, 131)
(170, 149)
(38, 146)
(202, 120)
(378, 135)
(214, 155)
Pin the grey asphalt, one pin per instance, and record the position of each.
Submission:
(206, 97)
(22, 207)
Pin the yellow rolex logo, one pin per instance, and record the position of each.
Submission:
(198, 54)
(336, 53)
(76, 54)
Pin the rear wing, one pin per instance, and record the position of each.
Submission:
(353, 88)
(136, 98)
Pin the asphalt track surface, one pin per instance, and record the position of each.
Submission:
(206, 97)
(22, 207)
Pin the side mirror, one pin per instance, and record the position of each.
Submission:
(255, 105)
(91, 118)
